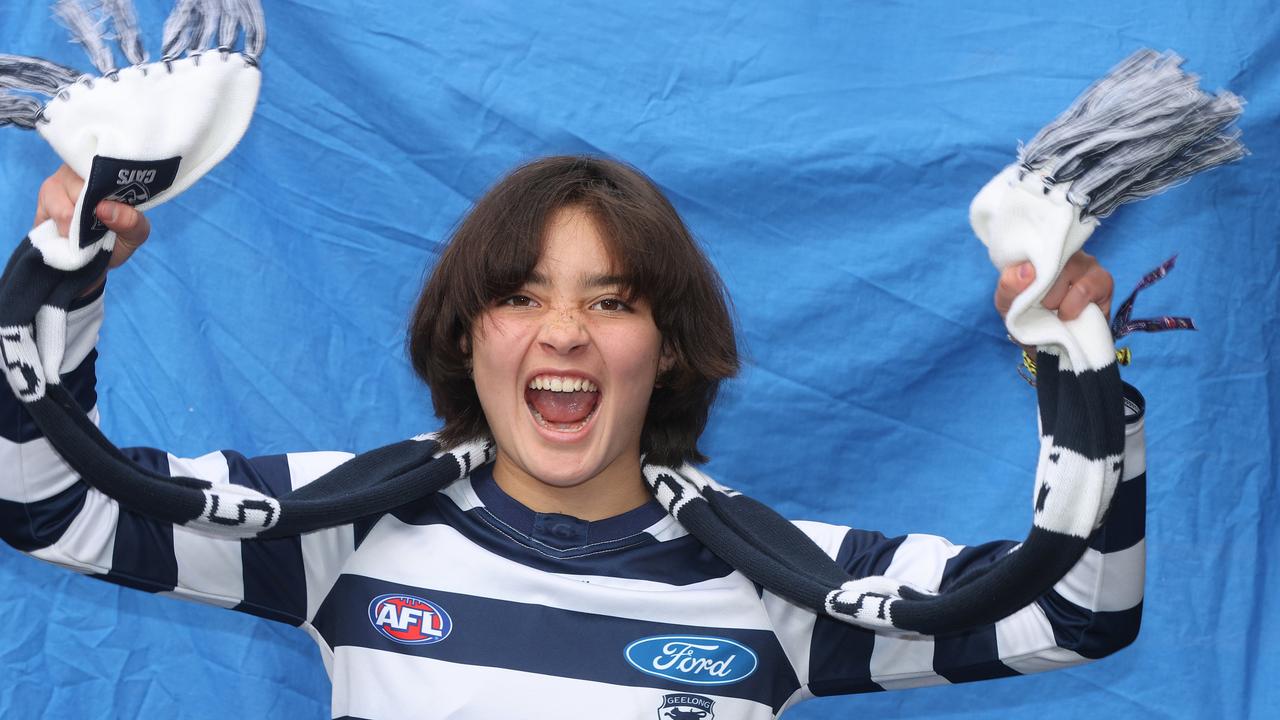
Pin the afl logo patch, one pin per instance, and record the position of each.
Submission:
(409, 620)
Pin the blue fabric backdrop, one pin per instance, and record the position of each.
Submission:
(825, 154)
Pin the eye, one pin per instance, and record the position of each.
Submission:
(518, 301)
(612, 304)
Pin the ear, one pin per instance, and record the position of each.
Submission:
(666, 361)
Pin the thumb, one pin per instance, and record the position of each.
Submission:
(1013, 280)
(130, 226)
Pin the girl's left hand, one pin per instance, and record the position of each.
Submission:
(1081, 282)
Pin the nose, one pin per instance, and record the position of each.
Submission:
(563, 331)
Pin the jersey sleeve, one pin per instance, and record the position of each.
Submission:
(1093, 611)
(47, 511)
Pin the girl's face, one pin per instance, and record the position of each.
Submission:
(564, 369)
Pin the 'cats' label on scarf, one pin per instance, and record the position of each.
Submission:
(132, 182)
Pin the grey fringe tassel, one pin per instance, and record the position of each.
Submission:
(34, 75)
(192, 27)
(29, 75)
(87, 28)
(1143, 128)
(19, 110)
(198, 25)
(125, 20)
(254, 23)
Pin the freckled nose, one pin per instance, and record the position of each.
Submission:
(564, 331)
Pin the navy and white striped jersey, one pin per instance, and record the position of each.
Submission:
(476, 602)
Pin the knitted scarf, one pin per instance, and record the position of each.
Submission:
(143, 133)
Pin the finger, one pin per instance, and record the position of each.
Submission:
(1078, 297)
(1077, 266)
(55, 204)
(69, 180)
(1101, 287)
(1013, 280)
(41, 213)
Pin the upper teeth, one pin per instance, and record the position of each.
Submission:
(558, 383)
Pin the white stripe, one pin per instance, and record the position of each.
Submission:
(41, 471)
(209, 568)
(323, 551)
(668, 528)
(51, 339)
(729, 602)
(907, 662)
(40, 474)
(82, 333)
(428, 688)
(1106, 582)
(1135, 449)
(1025, 643)
(90, 541)
(326, 653)
(463, 494)
(794, 624)
(305, 467)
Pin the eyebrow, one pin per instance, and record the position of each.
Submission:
(588, 281)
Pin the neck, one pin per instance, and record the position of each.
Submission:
(615, 490)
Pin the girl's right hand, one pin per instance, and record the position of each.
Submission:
(58, 196)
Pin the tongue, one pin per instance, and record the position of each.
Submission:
(562, 407)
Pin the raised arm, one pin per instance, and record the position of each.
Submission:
(48, 512)
(1093, 611)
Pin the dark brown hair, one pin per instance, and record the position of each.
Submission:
(497, 246)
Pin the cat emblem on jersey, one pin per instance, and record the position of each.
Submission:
(683, 706)
(409, 619)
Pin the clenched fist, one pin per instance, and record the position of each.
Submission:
(1081, 282)
(58, 195)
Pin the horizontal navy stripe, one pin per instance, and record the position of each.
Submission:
(1126, 520)
(839, 653)
(973, 654)
(275, 584)
(548, 641)
(143, 557)
(34, 526)
(1092, 634)
(969, 656)
(971, 561)
(16, 425)
(682, 561)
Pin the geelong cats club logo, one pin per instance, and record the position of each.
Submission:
(692, 659)
(679, 706)
(409, 620)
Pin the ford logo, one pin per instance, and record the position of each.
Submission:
(692, 659)
(409, 620)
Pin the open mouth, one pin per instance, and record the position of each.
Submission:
(562, 403)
